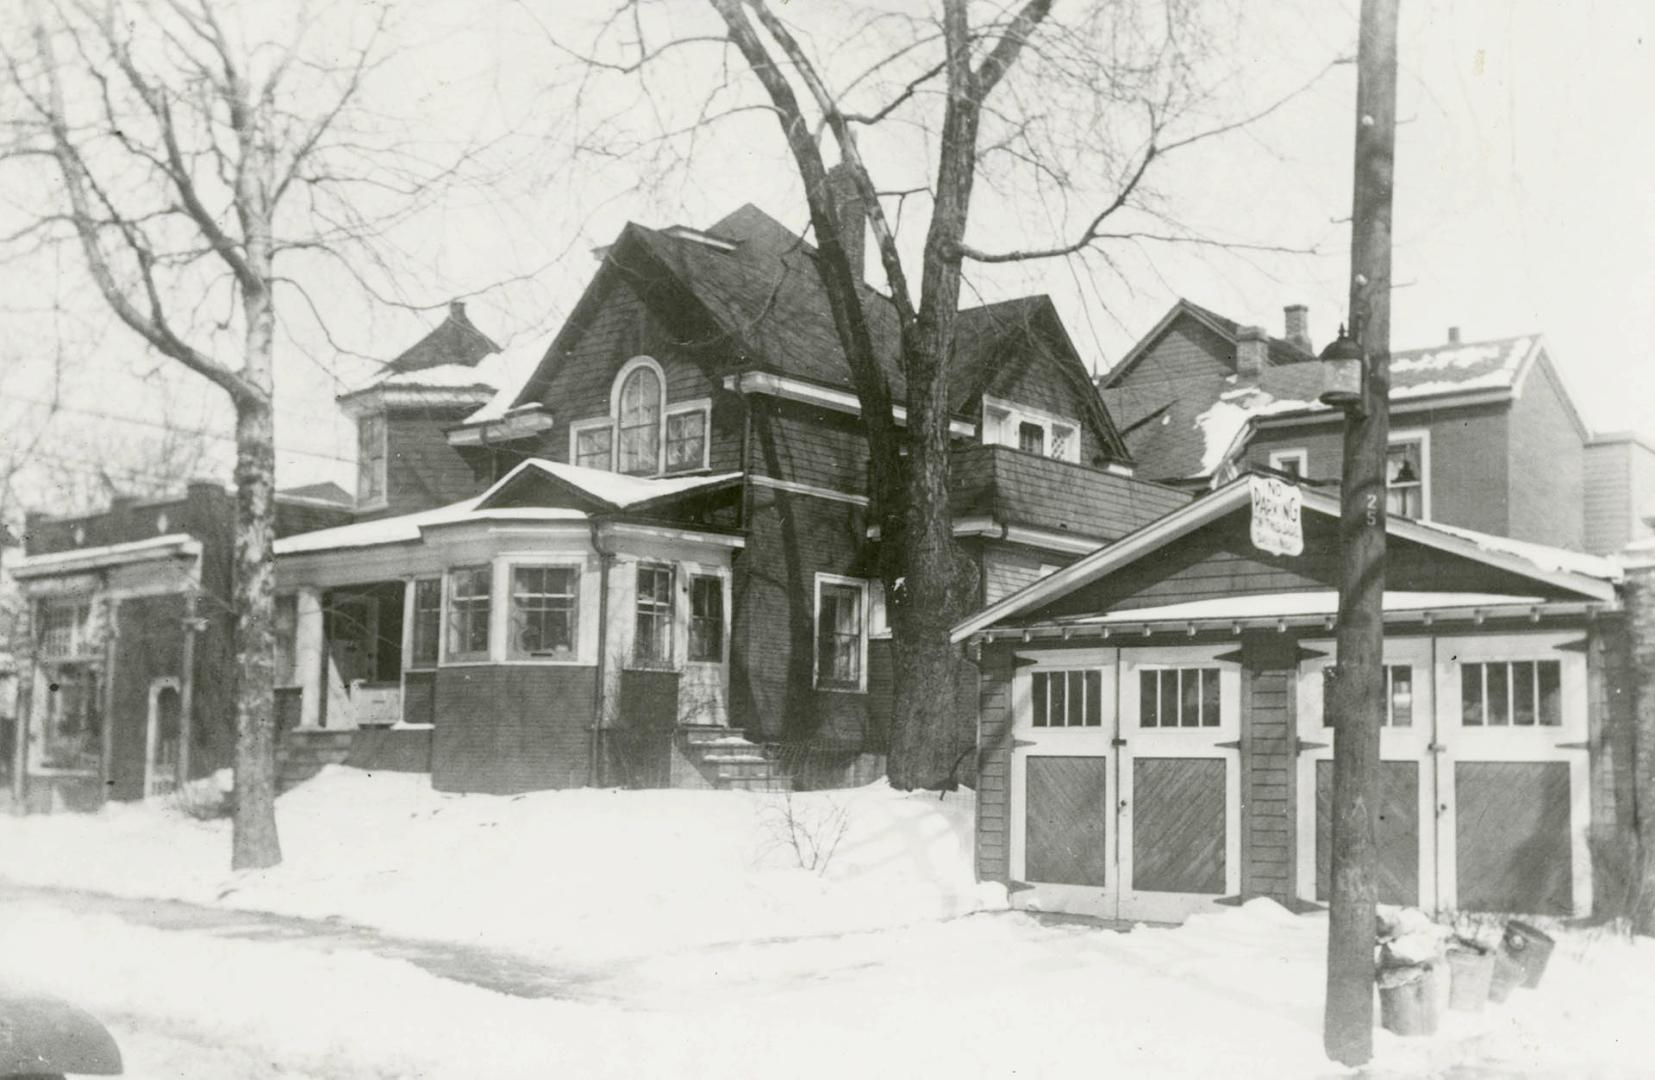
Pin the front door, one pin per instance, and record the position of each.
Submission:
(1125, 782)
(163, 738)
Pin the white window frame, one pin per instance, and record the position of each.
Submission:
(704, 406)
(446, 656)
(690, 574)
(621, 376)
(602, 423)
(674, 661)
(383, 497)
(1422, 436)
(509, 653)
(861, 585)
(1008, 417)
(1279, 458)
(410, 616)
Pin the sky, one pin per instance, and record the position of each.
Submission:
(1523, 204)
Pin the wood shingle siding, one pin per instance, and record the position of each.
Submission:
(1547, 465)
(502, 730)
(994, 720)
(1024, 489)
(1268, 765)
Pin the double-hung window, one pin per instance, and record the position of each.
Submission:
(427, 628)
(686, 438)
(652, 639)
(370, 458)
(706, 618)
(593, 444)
(841, 634)
(468, 612)
(545, 604)
(1406, 489)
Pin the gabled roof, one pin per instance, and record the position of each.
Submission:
(448, 359)
(1186, 428)
(1281, 351)
(1586, 576)
(536, 490)
(764, 308)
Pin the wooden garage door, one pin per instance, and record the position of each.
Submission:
(1066, 839)
(1397, 834)
(1512, 836)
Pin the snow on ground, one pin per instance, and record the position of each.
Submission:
(582, 873)
(1234, 994)
(710, 952)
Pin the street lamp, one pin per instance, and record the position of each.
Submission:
(1342, 371)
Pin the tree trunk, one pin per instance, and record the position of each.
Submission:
(255, 844)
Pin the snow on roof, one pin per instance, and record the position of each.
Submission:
(511, 371)
(1551, 559)
(154, 547)
(617, 490)
(609, 488)
(1313, 602)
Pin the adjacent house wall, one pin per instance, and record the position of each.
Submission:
(1469, 460)
(421, 470)
(1607, 478)
(1546, 477)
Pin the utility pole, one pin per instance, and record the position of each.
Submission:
(1357, 695)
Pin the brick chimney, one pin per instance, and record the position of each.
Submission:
(847, 207)
(1453, 335)
(1298, 326)
(1252, 351)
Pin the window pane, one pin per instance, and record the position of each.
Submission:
(1499, 694)
(1059, 692)
(427, 620)
(543, 611)
(370, 457)
(640, 423)
(839, 636)
(592, 448)
(468, 608)
(1031, 437)
(652, 640)
(1471, 694)
(1169, 698)
(1209, 697)
(1522, 693)
(1189, 703)
(1404, 479)
(706, 618)
(1148, 699)
(1094, 699)
(1040, 678)
(1550, 675)
(1401, 712)
(686, 440)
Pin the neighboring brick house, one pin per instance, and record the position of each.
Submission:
(127, 668)
(1484, 435)
(1620, 491)
(677, 546)
(1153, 740)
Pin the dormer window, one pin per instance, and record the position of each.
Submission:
(643, 435)
(1030, 430)
(370, 459)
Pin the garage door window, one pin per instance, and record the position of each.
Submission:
(1518, 693)
(1068, 698)
(1178, 697)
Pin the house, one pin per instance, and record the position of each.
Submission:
(1620, 490)
(667, 557)
(1153, 738)
(1484, 435)
(129, 639)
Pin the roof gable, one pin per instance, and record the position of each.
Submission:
(1207, 541)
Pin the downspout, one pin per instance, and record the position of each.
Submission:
(186, 689)
(599, 696)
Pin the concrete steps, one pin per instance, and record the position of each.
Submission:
(732, 762)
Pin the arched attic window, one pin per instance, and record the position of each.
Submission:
(643, 434)
(638, 406)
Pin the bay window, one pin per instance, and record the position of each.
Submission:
(545, 603)
(468, 612)
(652, 641)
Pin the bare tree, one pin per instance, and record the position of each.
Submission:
(1072, 114)
(186, 147)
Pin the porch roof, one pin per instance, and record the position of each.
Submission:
(598, 491)
(172, 545)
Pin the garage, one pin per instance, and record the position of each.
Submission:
(1153, 742)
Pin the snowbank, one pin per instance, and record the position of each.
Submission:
(1234, 994)
(584, 872)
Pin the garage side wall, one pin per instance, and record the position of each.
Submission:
(994, 721)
